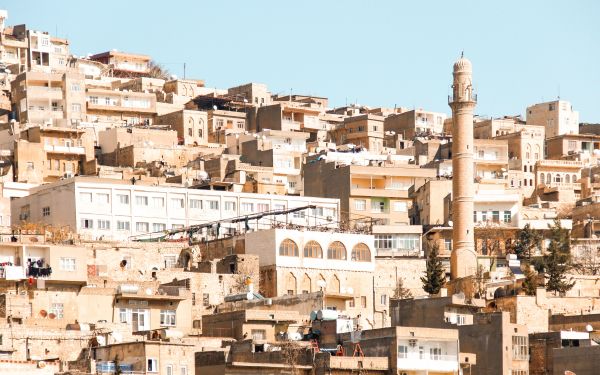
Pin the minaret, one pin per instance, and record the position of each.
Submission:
(463, 259)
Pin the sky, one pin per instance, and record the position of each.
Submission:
(375, 53)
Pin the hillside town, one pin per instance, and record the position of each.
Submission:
(150, 224)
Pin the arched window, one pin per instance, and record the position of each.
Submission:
(361, 253)
(336, 250)
(312, 249)
(567, 179)
(288, 248)
(542, 178)
(548, 178)
(574, 178)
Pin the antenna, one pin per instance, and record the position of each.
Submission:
(462, 53)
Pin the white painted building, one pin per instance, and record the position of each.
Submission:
(116, 209)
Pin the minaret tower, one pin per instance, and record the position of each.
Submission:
(463, 259)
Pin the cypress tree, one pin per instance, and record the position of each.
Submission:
(557, 261)
(435, 275)
(527, 240)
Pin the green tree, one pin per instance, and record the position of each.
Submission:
(435, 275)
(401, 292)
(530, 283)
(527, 240)
(558, 259)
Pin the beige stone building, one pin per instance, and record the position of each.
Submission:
(415, 122)
(118, 107)
(380, 193)
(558, 117)
(124, 64)
(46, 154)
(42, 98)
(191, 126)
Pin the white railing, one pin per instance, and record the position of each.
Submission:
(65, 149)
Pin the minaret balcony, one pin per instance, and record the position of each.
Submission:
(466, 99)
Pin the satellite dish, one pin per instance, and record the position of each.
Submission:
(148, 291)
(450, 223)
(215, 107)
(589, 328)
(173, 77)
(249, 296)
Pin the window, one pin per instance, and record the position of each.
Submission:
(152, 365)
(448, 244)
(158, 202)
(169, 369)
(336, 250)
(360, 204)
(519, 372)
(123, 316)
(58, 309)
(46, 211)
(200, 133)
(123, 198)
(183, 370)
(258, 334)
(159, 227)
(363, 301)
(87, 223)
(402, 351)
(75, 87)
(240, 125)
(167, 318)
(247, 207)
(122, 225)
(400, 207)
(312, 249)
(460, 320)
(141, 200)
(229, 206)
(520, 347)
(351, 303)
(104, 224)
(177, 203)
(213, 205)
(67, 264)
(262, 207)
(288, 248)
(190, 132)
(361, 253)
(377, 206)
(507, 217)
(196, 203)
(383, 299)
(496, 216)
(205, 299)
(435, 353)
(483, 215)
(142, 227)
(85, 197)
(94, 99)
(76, 107)
(292, 184)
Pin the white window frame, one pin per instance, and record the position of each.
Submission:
(67, 264)
(168, 318)
(152, 365)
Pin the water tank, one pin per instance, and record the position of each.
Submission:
(327, 315)
(128, 288)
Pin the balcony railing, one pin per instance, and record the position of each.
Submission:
(12, 272)
(65, 149)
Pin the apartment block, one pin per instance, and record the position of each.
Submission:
(417, 122)
(56, 99)
(117, 209)
(123, 64)
(558, 117)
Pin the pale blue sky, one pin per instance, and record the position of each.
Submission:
(377, 53)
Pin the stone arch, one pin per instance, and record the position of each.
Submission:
(306, 285)
(321, 283)
(336, 250)
(288, 248)
(312, 249)
(334, 285)
(568, 178)
(361, 253)
(290, 284)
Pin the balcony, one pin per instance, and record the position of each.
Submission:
(44, 92)
(290, 125)
(556, 186)
(78, 150)
(12, 273)
(426, 362)
(392, 253)
(375, 192)
(560, 163)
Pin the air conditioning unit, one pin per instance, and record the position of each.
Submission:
(412, 342)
